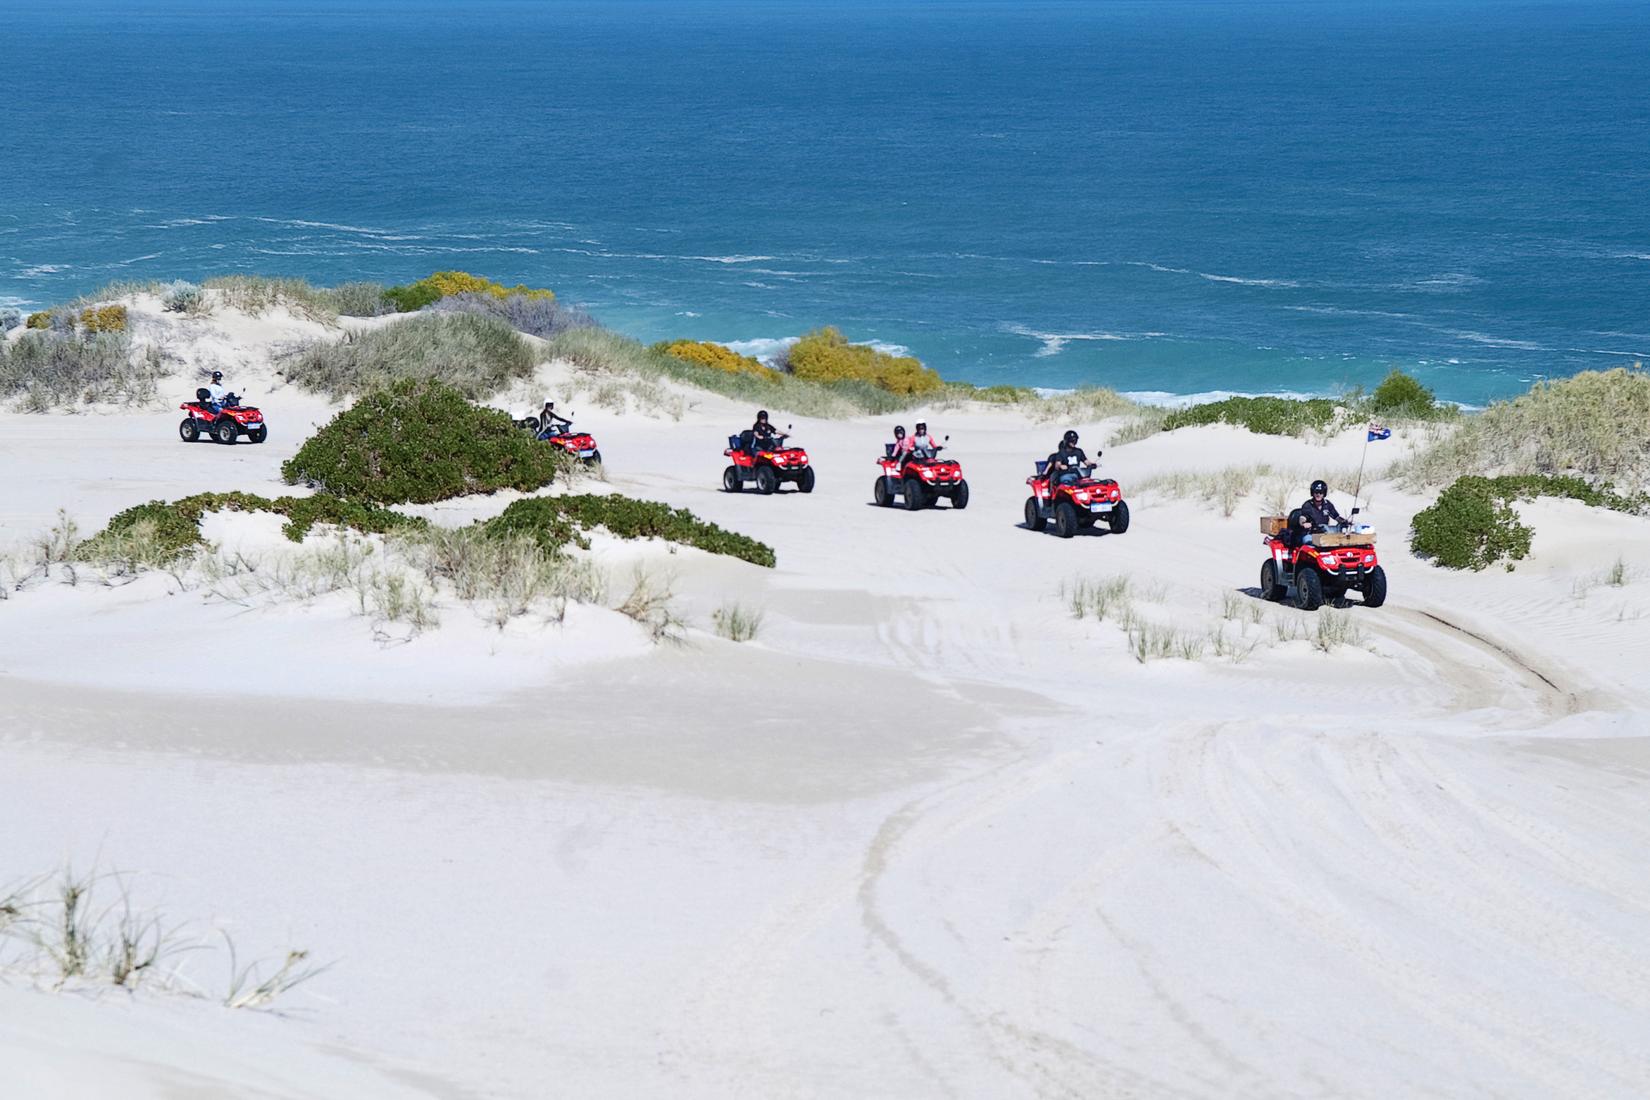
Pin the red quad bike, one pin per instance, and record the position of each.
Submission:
(225, 425)
(767, 468)
(1339, 563)
(918, 482)
(1076, 506)
(580, 445)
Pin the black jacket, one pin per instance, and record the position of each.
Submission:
(1073, 459)
(1321, 515)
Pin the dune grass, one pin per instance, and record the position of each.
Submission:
(51, 369)
(476, 355)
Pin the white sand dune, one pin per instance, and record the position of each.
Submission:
(928, 835)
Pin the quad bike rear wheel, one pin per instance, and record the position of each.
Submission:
(1119, 518)
(1375, 587)
(1270, 587)
(258, 434)
(959, 495)
(1034, 515)
(806, 482)
(224, 431)
(730, 480)
(595, 458)
(1065, 519)
(880, 493)
(1308, 588)
(913, 494)
(189, 430)
(766, 480)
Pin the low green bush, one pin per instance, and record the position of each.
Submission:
(420, 441)
(1265, 415)
(427, 291)
(556, 522)
(1399, 396)
(176, 525)
(1472, 524)
(474, 354)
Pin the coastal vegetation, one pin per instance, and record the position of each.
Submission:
(474, 354)
(557, 522)
(535, 315)
(60, 368)
(427, 291)
(419, 441)
(717, 357)
(1473, 525)
(825, 355)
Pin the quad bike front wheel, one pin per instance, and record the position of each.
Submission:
(1375, 587)
(224, 431)
(189, 430)
(258, 434)
(1034, 515)
(730, 480)
(766, 480)
(913, 494)
(959, 496)
(1065, 519)
(1308, 588)
(806, 482)
(880, 493)
(1119, 518)
(1271, 588)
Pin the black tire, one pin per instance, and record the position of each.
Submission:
(189, 430)
(805, 483)
(595, 458)
(258, 434)
(1271, 588)
(914, 495)
(880, 493)
(766, 480)
(531, 423)
(1065, 519)
(1308, 588)
(959, 495)
(1375, 587)
(225, 431)
(1034, 515)
(1119, 517)
(730, 480)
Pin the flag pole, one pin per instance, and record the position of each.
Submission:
(1359, 484)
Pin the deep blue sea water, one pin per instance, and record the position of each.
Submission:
(1157, 195)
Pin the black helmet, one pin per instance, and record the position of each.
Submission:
(217, 376)
(899, 431)
(1070, 438)
(762, 415)
(1320, 486)
(922, 427)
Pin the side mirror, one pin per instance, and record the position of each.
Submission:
(948, 439)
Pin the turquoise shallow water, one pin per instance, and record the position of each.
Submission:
(1169, 196)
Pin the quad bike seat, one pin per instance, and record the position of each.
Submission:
(887, 450)
(747, 441)
(203, 394)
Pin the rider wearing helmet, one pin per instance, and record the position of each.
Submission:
(1065, 465)
(922, 444)
(763, 434)
(1319, 513)
(902, 445)
(215, 392)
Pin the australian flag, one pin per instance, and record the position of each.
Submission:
(1378, 432)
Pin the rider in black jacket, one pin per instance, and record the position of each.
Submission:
(1319, 513)
(1066, 464)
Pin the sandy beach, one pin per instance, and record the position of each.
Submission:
(927, 834)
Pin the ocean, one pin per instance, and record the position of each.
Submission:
(1168, 197)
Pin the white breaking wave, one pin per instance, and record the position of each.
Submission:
(1165, 399)
(1213, 278)
(1495, 341)
(764, 349)
(42, 269)
(1055, 342)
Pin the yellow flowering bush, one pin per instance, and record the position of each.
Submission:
(717, 357)
(103, 319)
(41, 320)
(825, 355)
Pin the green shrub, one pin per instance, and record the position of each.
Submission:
(40, 320)
(716, 356)
(1592, 425)
(420, 441)
(182, 297)
(825, 355)
(474, 354)
(554, 522)
(358, 299)
(432, 288)
(1265, 415)
(1400, 395)
(1472, 524)
(175, 529)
